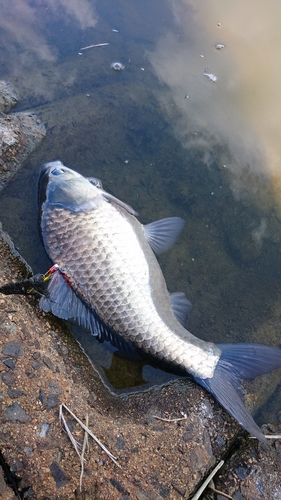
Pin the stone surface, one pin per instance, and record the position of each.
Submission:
(8, 96)
(16, 414)
(14, 349)
(20, 134)
(253, 472)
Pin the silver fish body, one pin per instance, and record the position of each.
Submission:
(104, 254)
(110, 264)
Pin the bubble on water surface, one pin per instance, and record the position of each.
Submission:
(117, 66)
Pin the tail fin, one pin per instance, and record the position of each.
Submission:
(238, 362)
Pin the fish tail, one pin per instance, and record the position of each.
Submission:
(240, 362)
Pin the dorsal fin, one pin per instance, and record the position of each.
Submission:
(110, 197)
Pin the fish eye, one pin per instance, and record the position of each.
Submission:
(95, 181)
(58, 171)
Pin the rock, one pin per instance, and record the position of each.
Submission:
(14, 349)
(2, 482)
(48, 362)
(52, 401)
(9, 362)
(15, 393)
(20, 134)
(16, 414)
(8, 378)
(54, 387)
(8, 96)
(252, 472)
(58, 475)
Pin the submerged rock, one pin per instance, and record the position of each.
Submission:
(20, 134)
(8, 96)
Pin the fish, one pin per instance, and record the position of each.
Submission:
(106, 278)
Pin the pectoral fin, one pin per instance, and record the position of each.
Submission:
(64, 303)
(162, 234)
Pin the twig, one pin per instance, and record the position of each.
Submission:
(212, 487)
(95, 45)
(75, 444)
(84, 446)
(206, 482)
(169, 419)
(268, 436)
(222, 493)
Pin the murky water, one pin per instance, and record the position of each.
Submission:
(184, 129)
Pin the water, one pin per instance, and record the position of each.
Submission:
(165, 138)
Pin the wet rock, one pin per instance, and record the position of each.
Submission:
(16, 414)
(20, 134)
(253, 472)
(58, 475)
(8, 96)
(13, 349)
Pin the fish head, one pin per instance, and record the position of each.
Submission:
(60, 186)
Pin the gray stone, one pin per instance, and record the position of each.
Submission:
(49, 363)
(15, 393)
(9, 362)
(58, 475)
(37, 365)
(8, 378)
(16, 414)
(54, 387)
(52, 401)
(13, 348)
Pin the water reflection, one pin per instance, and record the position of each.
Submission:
(239, 110)
(27, 41)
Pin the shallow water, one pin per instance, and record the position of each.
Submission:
(164, 137)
